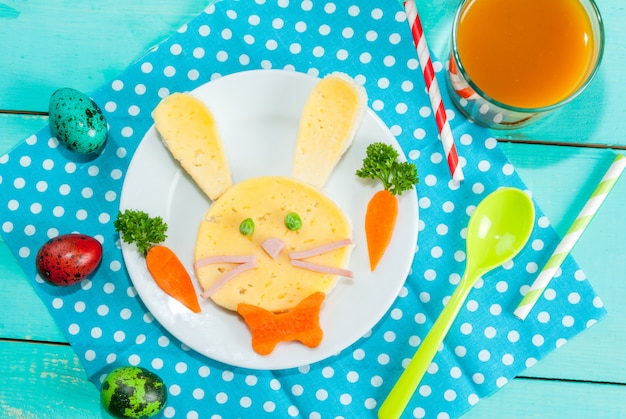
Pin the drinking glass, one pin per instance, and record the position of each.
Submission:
(509, 56)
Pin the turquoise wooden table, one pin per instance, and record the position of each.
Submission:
(49, 44)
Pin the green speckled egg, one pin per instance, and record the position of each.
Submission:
(133, 392)
(76, 121)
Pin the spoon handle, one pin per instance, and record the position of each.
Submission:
(403, 390)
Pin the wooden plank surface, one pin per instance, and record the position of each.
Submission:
(80, 44)
(573, 174)
(90, 42)
(26, 317)
(44, 381)
(533, 399)
(60, 389)
(15, 128)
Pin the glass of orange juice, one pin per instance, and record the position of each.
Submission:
(513, 61)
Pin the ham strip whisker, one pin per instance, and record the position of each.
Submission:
(296, 258)
(321, 268)
(320, 250)
(211, 260)
(245, 263)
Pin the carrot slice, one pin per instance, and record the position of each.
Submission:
(171, 276)
(380, 220)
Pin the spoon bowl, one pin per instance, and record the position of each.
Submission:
(498, 230)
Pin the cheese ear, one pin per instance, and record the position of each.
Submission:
(330, 119)
(188, 131)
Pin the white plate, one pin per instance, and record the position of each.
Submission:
(257, 113)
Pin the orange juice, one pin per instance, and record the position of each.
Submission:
(526, 53)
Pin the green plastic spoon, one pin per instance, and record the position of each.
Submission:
(498, 229)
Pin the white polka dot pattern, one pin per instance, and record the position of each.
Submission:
(45, 191)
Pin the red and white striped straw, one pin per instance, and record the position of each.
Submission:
(423, 55)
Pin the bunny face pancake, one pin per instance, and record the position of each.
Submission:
(275, 283)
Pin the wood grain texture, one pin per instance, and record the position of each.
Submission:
(573, 174)
(26, 317)
(533, 399)
(44, 381)
(84, 44)
(60, 389)
(15, 128)
(79, 44)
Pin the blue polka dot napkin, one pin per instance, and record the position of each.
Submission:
(46, 191)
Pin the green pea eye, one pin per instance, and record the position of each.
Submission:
(293, 221)
(247, 227)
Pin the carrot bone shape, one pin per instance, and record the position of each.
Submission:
(301, 323)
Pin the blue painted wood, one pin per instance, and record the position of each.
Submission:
(23, 315)
(45, 381)
(573, 174)
(39, 379)
(525, 399)
(80, 44)
(15, 128)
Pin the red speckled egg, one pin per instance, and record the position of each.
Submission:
(68, 259)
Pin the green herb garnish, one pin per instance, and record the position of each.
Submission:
(139, 228)
(381, 163)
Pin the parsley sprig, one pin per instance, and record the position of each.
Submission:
(381, 163)
(139, 228)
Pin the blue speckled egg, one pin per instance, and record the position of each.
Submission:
(76, 121)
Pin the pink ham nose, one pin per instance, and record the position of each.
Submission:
(273, 247)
